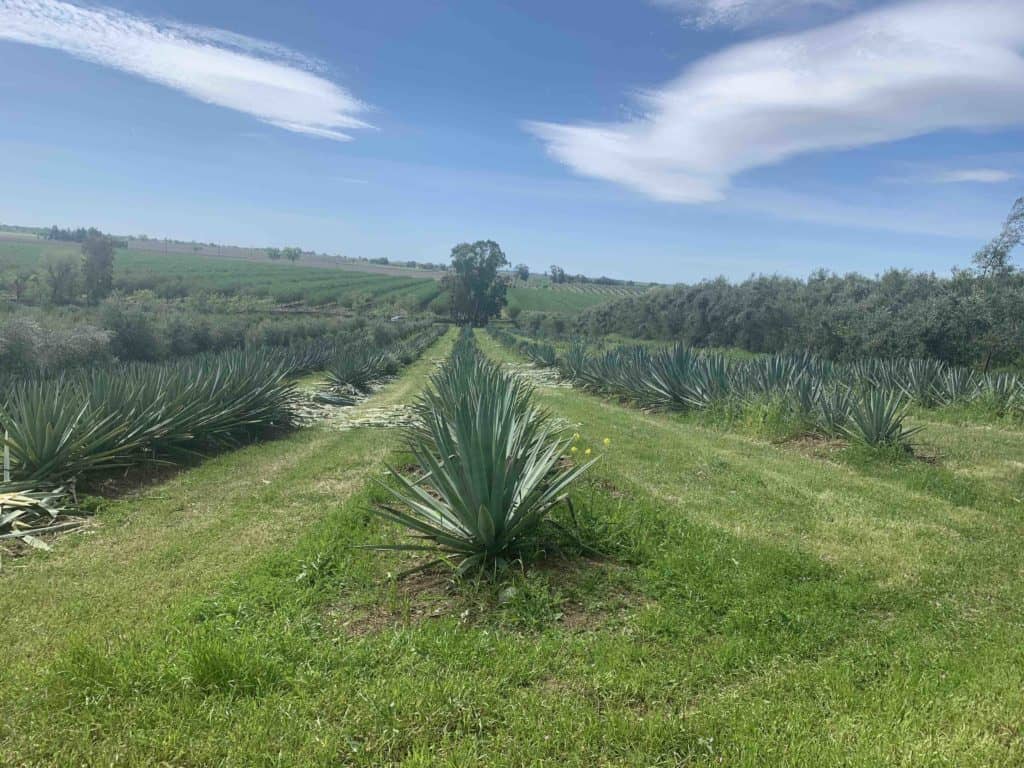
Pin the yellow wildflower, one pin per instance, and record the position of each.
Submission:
(607, 441)
(574, 449)
(586, 452)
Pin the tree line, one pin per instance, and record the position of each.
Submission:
(973, 317)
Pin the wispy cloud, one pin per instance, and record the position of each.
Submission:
(977, 175)
(973, 176)
(746, 13)
(890, 74)
(262, 79)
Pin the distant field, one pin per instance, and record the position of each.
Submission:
(180, 274)
(567, 298)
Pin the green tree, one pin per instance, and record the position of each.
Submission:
(557, 274)
(477, 290)
(98, 267)
(997, 297)
(61, 280)
(20, 283)
(274, 254)
(292, 254)
(522, 272)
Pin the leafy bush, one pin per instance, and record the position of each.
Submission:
(28, 347)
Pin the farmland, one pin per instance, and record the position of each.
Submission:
(724, 598)
(353, 538)
(181, 274)
(539, 295)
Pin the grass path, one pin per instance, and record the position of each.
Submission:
(758, 605)
(146, 553)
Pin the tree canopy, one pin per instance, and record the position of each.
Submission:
(476, 289)
(98, 266)
(973, 317)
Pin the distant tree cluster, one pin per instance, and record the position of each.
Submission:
(974, 317)
(71, 235)
(292, 254)
(560, 276)
(63, 279)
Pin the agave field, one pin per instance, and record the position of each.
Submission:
(88, 423)
(865, 401)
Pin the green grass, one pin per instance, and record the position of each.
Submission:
(757, 605)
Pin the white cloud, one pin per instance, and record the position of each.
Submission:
(746, 13)
(265, 80)
(881, 76)
(973, 176)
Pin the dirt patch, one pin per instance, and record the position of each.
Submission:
(428, 594)
(575, 595)
(815, 446)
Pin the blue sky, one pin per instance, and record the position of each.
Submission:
(667, 140)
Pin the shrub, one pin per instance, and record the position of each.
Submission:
(28, 347)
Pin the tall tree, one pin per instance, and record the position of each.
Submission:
(61, 277)
(477, 290)
(274, 254)
(522, 272)
(20, 282)
(998, 304)
(292, 254)
(98, 266)
(557, 274)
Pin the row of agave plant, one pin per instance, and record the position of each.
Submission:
(865, 401)
(358, 365)
(489, 464)
(82, 422)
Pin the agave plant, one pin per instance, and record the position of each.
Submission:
(876, 419)
(100, 420)
(921, 381)
(958, 385)
(489, 465)
(357, 368)
(573, 365)
(833, 411)
(672, 380)
(541, 354)
(1002, 390)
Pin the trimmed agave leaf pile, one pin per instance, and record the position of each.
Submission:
(26, 514)
(864, 401)
(489, 463)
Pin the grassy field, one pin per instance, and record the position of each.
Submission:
(179, 274)
(753, 604)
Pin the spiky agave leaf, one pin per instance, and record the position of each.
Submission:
(488, 462)
(104, 419)
(958, 385)
(876, 419)
(357, 368)
(833, 411)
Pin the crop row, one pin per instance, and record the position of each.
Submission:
(97, 420)
(865, 401)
